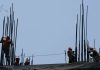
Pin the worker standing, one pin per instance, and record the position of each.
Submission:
(71, 55)
(6, 41)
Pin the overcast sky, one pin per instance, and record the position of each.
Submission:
(48, 26)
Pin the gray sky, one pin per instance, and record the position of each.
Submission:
(48, 26)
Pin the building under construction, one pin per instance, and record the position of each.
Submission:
(83, 57)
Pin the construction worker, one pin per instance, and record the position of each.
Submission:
(27, 62)
(71, 55)
(5, 47)
(17, 61)
(94, 54)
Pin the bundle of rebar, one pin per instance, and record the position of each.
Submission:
(82, 46)
(10, 29)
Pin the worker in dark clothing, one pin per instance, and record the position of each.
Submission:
(71, 55)
(6, 47)
(95, 55)
(27, 62)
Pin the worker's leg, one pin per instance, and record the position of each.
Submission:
(7, 55)
(2, 57)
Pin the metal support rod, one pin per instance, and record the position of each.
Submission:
(94, 43)
(76, 39)
(79, 35)
(84, 44)
(86, 36)
(32, 60)
(82, 32)
(65, 55)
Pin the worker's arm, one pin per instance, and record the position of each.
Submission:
(1, 41)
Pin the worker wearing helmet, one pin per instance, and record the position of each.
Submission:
(6, 41)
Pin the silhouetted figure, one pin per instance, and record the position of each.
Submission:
(5, 48)
(27, 62)
(94, 54)
(17, 61)
(71, 55)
